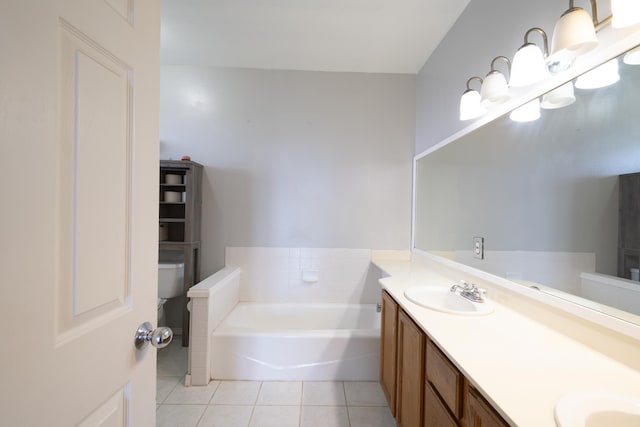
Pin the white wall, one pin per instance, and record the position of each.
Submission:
(294, 159)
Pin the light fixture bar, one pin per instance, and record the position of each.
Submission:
(594, 11)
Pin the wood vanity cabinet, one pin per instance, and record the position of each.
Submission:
(410, 372)
(388, 350)
(422, 386)
(401, 363)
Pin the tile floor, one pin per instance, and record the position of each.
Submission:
(264, 403)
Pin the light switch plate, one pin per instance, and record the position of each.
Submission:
(478, 247)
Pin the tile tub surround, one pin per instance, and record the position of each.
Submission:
(288, 275)
(211, 301)
(283, 275)
(527, 341)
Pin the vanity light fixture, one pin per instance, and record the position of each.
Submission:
(470, 105)
(529, 64)
(527, 112)
(559, 97)
(574, 34)
(604, 75)
(625, 13)
(495, 89)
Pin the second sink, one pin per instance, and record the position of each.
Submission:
(440, 298)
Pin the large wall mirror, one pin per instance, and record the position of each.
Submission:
(545, 196)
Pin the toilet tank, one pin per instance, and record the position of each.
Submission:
(170, 279)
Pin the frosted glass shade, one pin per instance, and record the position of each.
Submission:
(470, 105)
(632, 57)
(494, 89)
(559, 97)
(604, 75)
(574, 34)
(528, 66)
(625, 13)
(527, 112)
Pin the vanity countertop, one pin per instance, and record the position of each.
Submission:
(521, 366)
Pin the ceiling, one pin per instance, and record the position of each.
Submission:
(372, 36)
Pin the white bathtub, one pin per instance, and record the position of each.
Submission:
(317, 342)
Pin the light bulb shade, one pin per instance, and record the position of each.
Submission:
(632, 57)
(574, 34)
(604, 75)
(527, 112)
(625, 13)
(494, 89)
(470, 105)
(559, 97)
(528, 66)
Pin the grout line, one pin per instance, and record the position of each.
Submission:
(346, 403)
(201, 416)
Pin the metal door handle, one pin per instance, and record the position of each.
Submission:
(159, 337)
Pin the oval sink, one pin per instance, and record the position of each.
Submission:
(440, 298)
(597, 409)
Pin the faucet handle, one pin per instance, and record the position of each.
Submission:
(467, 286)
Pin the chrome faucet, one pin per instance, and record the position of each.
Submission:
(470, 291)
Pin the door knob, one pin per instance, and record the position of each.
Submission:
(159, 337)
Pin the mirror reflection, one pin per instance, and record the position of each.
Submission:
(546, 197)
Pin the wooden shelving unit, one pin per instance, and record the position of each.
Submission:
(179, 221)
(629, 224)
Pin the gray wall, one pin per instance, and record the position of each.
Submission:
(294, 159)
(485, 29)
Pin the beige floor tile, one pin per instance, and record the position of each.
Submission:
(323, 393)
(179, 415)
(371, 416)
(324, 416)
(364, 393)
(280, 393)
(236, 393)
(164, 386)
(172, 360)
(226, 416)
(275, 416)
(195, 395)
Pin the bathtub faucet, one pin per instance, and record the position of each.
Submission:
(470, 291)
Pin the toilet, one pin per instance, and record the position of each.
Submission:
(170, 285)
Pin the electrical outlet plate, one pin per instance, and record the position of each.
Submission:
(478, 247)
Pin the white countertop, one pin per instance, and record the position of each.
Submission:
(520, 365)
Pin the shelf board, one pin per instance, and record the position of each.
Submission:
(172, 203)
(172, 220)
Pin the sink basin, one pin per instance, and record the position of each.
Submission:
(598, 409)
(440, 298)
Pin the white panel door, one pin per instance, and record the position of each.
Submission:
(79, 91)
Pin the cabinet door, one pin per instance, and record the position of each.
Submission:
(388, 349)
(481, 414)
(410, 368)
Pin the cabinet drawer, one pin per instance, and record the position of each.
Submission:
(445, 379)
(435, 413)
